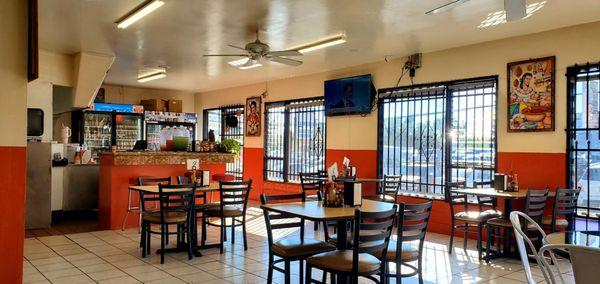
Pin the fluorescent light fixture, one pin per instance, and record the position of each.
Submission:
(157, 74)
(445, 7)
(339, 39)
(139, 12)
(499, 17)
(240, 64)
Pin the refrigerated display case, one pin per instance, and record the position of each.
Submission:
(163, 127)
(106, 125)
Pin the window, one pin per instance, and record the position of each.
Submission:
(438, 133)
(294, 139)
(583, 136)
(216, 120)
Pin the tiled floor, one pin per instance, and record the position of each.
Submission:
(114, 257)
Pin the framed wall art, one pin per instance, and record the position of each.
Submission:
(253, 116)
(531, 89)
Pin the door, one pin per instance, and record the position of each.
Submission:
(128, 131)
(97, 131)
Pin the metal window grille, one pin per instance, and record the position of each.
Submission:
(214, 119)
(583, 137)
(438, 133)
(295, 134)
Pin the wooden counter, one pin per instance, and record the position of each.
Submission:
(121, 169)
(166, 158)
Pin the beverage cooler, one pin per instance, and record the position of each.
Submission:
(168, 131)
(104, 125)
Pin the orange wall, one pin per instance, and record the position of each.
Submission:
(12, 206)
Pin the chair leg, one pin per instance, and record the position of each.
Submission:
(189, 241)
(162, 243)
(308, 276)
(223, 234)
(398, 273)
(287, 272)
(301, 270)
(167, 234)
(270, 272)
(451, 238)
(233, 230)
(420, 268)
(143, 240)
(148, 238)
(203, 237)
(488, 242)
(465, 236)
(244, 234)
(479, 232)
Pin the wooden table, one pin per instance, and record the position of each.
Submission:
(153, 189)
(579, 238)
(315, 211)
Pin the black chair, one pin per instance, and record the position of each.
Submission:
(233, 203)
(485, 200)
(201, 202)
(311, 185)
(500, 229)
(565, 204)
(390, 187)
(176, 208)
(412, 223)
(466, 221)
(371, 234)
(147, 199)
(290, 248)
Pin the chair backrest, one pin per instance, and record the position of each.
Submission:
(523, 242)
(391, 185)
(180, 197)
(535, 202)
(456, 199)
(413, 220)
(565, 203)
(287, 221)
(584, 260)
(309, 184)
(234, 193)
(485, 200)
(372, 232)
(146, 197)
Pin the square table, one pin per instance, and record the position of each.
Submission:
(316, 212)
(153, 189)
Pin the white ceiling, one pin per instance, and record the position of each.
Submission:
(181, 31)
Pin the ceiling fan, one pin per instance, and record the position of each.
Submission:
(515, 9)
(257, 50)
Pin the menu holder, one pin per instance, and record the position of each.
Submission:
(352, 193)
(204, 178)
(500, 182)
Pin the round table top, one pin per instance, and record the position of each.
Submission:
(580, 238)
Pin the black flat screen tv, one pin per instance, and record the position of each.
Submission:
(352, 95)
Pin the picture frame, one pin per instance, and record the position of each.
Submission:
(531, 95)
(253, 116)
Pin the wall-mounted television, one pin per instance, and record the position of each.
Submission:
(352, 95)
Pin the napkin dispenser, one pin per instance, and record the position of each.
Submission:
(500, 182)
(204, 177)
(352, 193)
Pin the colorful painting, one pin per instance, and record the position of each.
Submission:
(253, 116)
(531, 95)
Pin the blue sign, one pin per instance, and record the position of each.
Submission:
(112, 107)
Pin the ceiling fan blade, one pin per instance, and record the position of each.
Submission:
(448, 6)
(515, 10)
(285, 53)
(242, 55)
(286, 61)
(234, 46)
